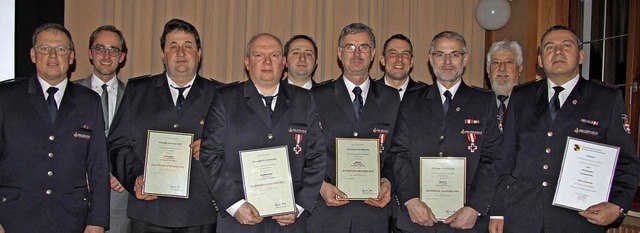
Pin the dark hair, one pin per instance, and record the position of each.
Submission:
(397, 37)
(52, 27)
(558, 28)
(354, 28)
(303, 37)
(178, 25)
(109, 28)
(449, 35)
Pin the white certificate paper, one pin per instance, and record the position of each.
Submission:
(443, 184)
(586, 174)
(167, 166)
(358, 168)
(266, 178)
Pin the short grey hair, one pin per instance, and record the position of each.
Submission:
(354, 28)
(449, 35)
(505, 45)
(248, 46)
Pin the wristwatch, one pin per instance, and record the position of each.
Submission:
(621, 216)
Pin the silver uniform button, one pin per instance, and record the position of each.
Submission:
(548, 150)
(545, 167)
(441, 137)
(355, 134)
(270, 136)
(49, 192)
(49, 173)
(440, 153)
(544, 183)
(4, 199)
(550, 134)
(51, 138)
(175, 125)
(50, 155)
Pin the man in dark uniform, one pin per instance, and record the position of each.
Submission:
(540, 117)
(301, 53)
(176, 101)
(261, 113)
(447, 119)
(353, 106)
(397, 60)
(53, 164)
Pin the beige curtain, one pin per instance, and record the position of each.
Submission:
(225, 26)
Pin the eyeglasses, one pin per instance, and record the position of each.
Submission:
(46, 50)
(350, 48)
(100, 50)
(455, 55)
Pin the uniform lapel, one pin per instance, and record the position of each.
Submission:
(342, 98)
(37, 99)
(162, 91)
(68, 102)
(194, 93)
(578, 95)
(542, 106)
(121, 88)
(371, 102)
(254, 101)
(282, 103)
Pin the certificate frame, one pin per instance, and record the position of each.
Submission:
(167, 164)
(443, 184)
(580, 183)
(266, 180)
(364, 183)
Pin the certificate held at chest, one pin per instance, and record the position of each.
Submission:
(358, 168)
(167, 167)
(443, 184)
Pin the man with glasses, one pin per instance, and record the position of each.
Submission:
(353, 106)
(107, 49)
(540, 118)
(447, 119)
(174, 101)
(53, 164)
(301, 53)
(397, 60)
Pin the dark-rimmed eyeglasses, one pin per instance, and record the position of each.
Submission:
(350, 48)
(100, 50)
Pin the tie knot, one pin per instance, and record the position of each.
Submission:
(180, 89)
(447, 94)
(104, 87)
(558, 89)
(502, 98)
(357, 91)
(268, 100)
(52, 90)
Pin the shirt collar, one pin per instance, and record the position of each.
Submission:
(453, 89)
(308, 85)
(364, 86)
(96, 83)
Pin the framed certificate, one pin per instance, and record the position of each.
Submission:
(358, 168)
(266, 178)
(443, 182)
(586, 174)
(167, 164)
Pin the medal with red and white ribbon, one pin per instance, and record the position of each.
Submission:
(297, 149)
(472, 139)
(382, 137)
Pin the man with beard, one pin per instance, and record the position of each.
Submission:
(540, 118)
(397, 60)
(263, 112)
(301, 53)
(353, 106)
(504, 65)
(174, 101)
(107, 49)
(447, 119)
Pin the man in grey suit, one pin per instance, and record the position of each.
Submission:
(107, 50)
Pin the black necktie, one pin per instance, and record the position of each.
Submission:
(447, 101)
(268, 100)
(105, 106)
(502, 107)
(51, 103)
(554, 104)
(180, 100)
(357, 102)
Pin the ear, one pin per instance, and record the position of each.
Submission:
(89, 54)
(382, 61)
(540, 62)
(32, 52)
(72, 57)
(162, 57)
(412, 60)
(284, 61)
(582, 56)
(246, 63)
(199, 55)
(465, 59)
(122, 56)
(339, 54)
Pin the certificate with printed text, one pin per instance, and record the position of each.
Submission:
(167, 166)
(586, 175)
(266, 178)
(443, 184)
(358, 168)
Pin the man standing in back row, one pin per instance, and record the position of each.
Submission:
(107, 50)
(540, 118)
(301, 53)
(353, 106)
(397, 60)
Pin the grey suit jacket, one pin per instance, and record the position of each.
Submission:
(121, 86)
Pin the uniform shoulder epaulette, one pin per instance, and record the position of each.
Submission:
(480, 89)
(8, 81)
(223, 85)
(325, 82)
(139, 77)
(604, 84)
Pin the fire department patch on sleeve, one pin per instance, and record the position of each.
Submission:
(625, 123)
